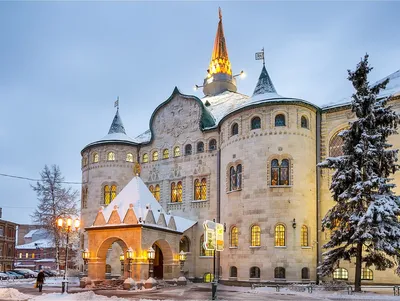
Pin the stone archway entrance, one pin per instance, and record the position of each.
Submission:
(158, 263)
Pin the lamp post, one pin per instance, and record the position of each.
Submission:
(68, 226)
(85, 257)
(151, 255)
(182, 259)
(129, 256)
(121, 259)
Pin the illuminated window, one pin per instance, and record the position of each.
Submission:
(305, 273)
(173, 192)
(151, 188)
(279, 273)
(280, 120)
(165, 154)
(234, 239)
(200, 147)
(254, 272)
(155, 156)
(341, 274)
(113, 192)
(304, 122)
(197, 189)
(184, 244)
(336, 146)
(233, 272)
(212, 145)
(234, 129)
(203, 189)
(129, 157)
(179, 192)
(176, 192)
(145, 158)
(256, 123)
(33, 255)
(255, 236)
(177, 151)
(188, 149)
(20, 255)
(110, 192)
(204, 252)
(208, 277)
(367, 274)
(95, 158)
(110, 156)
(280, 172)
(26, 255)
(157, 192)
(304, 236)
(280, 235)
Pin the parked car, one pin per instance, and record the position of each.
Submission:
(11, 275)
(31, 273)
(3, 276)
(23, 274)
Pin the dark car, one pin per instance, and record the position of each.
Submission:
(25, 275)
(14, 275)
(3, 276)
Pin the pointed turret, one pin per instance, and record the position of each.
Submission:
(117, 126)
(264, 84)
(219, 78)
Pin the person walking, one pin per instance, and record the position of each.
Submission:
(40, 280)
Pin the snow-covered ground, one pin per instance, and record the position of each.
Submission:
(51, 281)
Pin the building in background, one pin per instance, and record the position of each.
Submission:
(24, 230)
(7, 244)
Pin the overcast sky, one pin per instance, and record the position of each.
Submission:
(63, 64)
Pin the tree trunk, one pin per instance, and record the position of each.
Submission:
(357, 280)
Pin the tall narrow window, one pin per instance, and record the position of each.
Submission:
(165, 154)
(305, 273)
(232, 180)
(304, 122)
(197, 189)
(239, 177)
(234, 239)
(233, 272)
(95, 158)
(129, 157)
(203, 192)
(280, 120)
(256, 123)
(151, 188)
(255, 236)
(113, 192)
(177, 151)
(111, 156)
(173, 192)
(157, 192)
(367, 274)
(274, 172)
(179, 192)
(84, 197)
(341, 274)
(279, 273)
(235, 129)
(107, 196)
(200, 147)
(203, 251)
(145, 158)
(184, 244)
(280, 172)
(284, 172)
(155, 156)
(188, 149)
(254, 272)
(336, 145)
(279, 235)
(304, 236)
(212, 145)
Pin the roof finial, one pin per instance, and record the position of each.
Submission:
(116, 103)
(220, 13)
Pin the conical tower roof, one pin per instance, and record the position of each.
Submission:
(117, 126)
(264, 84)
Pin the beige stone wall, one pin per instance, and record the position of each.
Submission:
(259, 203)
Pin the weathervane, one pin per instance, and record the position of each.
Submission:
(116, 103)
(260, 56)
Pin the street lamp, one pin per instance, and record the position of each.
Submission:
(68, 225)
(121, 259)
(129, 256)
(85, 257)
(182, 259)
(151, 255)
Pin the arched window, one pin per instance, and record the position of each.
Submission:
(239, 176)
(203, 195)
(184, 244)
(367, 274)
(145, 158)
(155, 156)
(255, 236)
(179, 192)
(254, 272)
(235, 129)
(188, 149)
(110, 192)
(280, 235)
(304, 236)
(305, 273)
(234, 239)
(204, 252)
(173, 192)
(165, 153)
(200, 147)
(232, 179)
(279, 273)
(233, 271)
(280, 172)
(341, 274)
(208, 277)
(256, 123)
(280, 120)
(110, 156)
(177, 151)
(336, 146)
(304, 122)
(95, 158)
(157, 192)
(84, 161)
(113, 192)
(151, 188)
(129, 157)
(212, 145)
(197, 189)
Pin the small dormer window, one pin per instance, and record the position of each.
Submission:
(177, 151)
(280, 120)
(111, 156)
(235, 129)
(256, 123)
(129, 157)
(212, 145)
(304, 122)
(155, 156)
(200, 147)
(188, 149)
(95, 158)
(145, 158)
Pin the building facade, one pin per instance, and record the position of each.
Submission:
(7, 245)
(246, 161)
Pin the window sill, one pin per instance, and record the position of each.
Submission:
(198, 201)
(206, 257)
(232, 191)
(254, 247)
(280, 247)
(306, 247)
(233, 247)
(280, 186)
(174, 203)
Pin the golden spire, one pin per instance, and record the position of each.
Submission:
(219, 60)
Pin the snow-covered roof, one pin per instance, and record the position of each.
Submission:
(35, 232)
(136, 195)
(40, 243)
(392, 89)
(145, 137)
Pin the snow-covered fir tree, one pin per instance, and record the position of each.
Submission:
(364, 220)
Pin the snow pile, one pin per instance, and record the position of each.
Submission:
(12, 294)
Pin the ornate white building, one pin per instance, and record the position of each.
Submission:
(246, 161)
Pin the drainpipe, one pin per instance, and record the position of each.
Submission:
(218, 200)
(318, 185)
